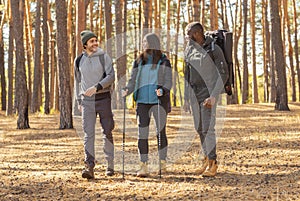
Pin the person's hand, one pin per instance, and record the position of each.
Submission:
(90, 91)
(187, 107)
(124, 92)
(209, 102)
(159, 92)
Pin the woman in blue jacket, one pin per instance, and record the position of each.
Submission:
(150, 83)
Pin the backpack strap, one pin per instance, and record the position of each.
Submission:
(102, 61)
(77, 61)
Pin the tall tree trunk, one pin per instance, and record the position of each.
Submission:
(108, 27)
(253, 37)
(101, 22)
(71, 40)
(91, 16)
(145, 5)
(52, 65)
(29, 48)
(195, 10)
(266, 48)
(10, 68)
(121, 67)
(290, 52)
(175, 75)
(37, 61)
(17, 8)
(65, 100)
(168, 12)
(122, 82)
(2, 71)
(296, 45)
(214, 16)
(281, 84)
(245, 91)
(237, 30)
(80, 23)
(46, 56)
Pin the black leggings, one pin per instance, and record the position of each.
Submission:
(144, 112)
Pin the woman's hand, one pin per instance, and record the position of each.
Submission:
(159, 92)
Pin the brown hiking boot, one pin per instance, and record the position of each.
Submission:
(212, 169)
(88, 172)
(204, 164)
(143, 172)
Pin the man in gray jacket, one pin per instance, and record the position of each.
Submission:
(94, 75)
(205, 71)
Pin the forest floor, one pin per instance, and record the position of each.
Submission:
(258, 157)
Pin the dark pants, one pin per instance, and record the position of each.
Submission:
(144, 112)
(101, 105)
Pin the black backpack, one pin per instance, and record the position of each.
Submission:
(223, 38)
(77, 62)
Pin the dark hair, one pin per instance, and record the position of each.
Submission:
(153, 49)
(194, 26)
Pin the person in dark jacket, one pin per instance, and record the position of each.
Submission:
(92, 90)
(150, 83)
(203, 85)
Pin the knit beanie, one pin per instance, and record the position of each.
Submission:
(86, 35)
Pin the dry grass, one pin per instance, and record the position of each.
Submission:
(258, 156)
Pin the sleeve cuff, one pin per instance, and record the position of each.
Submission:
(99, 87)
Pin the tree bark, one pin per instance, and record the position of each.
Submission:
(2, 71)
(266, 49)
(253, 37)
(281, 102)
(21, 92)
(296, 49)
(290, 52)
(65, 100)
(46, 56)
(10, 68)
(37, 61)
(245, 91)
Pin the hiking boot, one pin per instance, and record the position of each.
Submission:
(88, 172)
(212, 169)
(109, 172)
(143, 171)
(204, 164)
(110, 168)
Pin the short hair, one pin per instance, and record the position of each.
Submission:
(194, 26)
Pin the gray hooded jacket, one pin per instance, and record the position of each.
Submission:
(91, 74)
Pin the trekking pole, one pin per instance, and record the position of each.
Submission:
(123, 140)
(159, 136)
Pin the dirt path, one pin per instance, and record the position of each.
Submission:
(258, 156)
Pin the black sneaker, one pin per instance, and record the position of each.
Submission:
(109, 172)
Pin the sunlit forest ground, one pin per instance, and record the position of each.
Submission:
(258, 157)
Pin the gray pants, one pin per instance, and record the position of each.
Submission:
(101, 105)
(204, 122)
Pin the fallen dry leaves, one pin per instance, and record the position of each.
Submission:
(258, 157)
